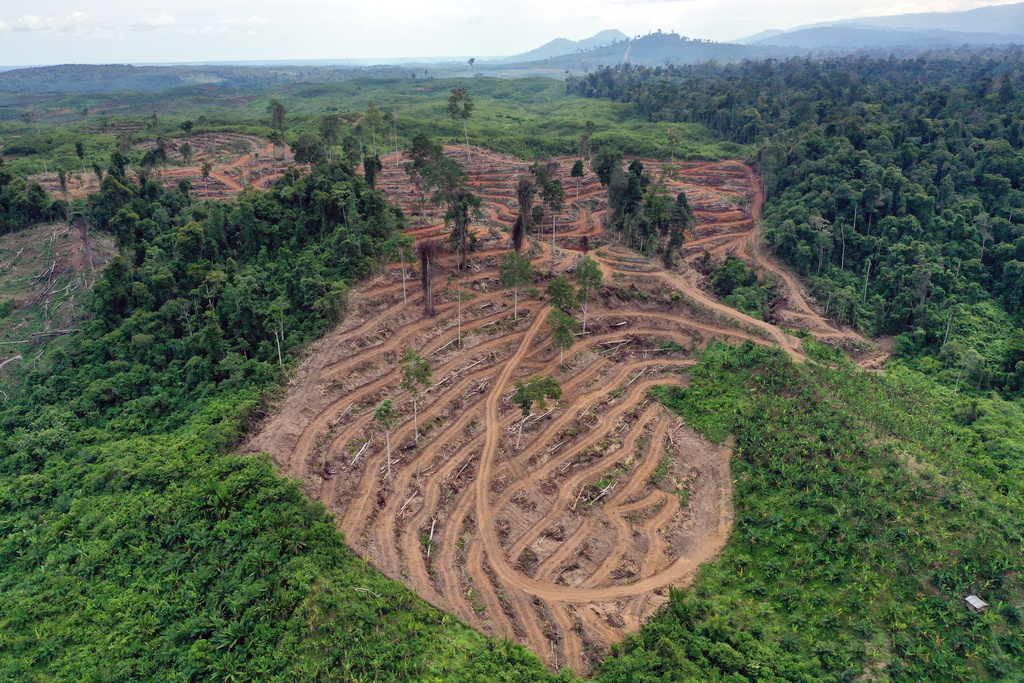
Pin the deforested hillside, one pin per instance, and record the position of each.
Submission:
(696, 386)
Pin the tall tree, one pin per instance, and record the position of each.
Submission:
(533, 390)
(416, 374)
(386, 416)
(373, 120)
(588, 277)
(515, 271)
(525, 191)
(330, 133)
(277, 318)
(577, 172)
(460, 106)
(681, 219)
(277, 113)
(604, 163)
(421, 154)
(205, 170)
(554, 197)
(400, 247)
(62, 179)
(563, 330)
(80, 153)
(460, 211)
(428, 251)
(371, 167)
(277, 140)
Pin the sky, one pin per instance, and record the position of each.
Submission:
(143, 31)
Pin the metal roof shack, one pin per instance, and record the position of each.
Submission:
(976, 603)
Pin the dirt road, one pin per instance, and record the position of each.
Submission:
(572, 540)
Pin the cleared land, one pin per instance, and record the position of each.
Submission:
(570, 541)
(236, 161)
(45, 274)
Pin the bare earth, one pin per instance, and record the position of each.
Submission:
(569, 542)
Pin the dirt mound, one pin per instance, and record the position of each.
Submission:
(571, 540)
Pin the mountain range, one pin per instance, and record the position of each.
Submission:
(994, 25)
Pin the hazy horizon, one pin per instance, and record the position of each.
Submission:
(145, 32)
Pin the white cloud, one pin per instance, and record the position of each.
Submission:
(149, 22)
(82, 24)
(31, 22)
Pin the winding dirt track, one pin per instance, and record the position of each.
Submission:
(571, 541)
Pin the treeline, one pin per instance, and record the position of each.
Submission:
(132, 546)
(894, 187)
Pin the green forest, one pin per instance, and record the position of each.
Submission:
(135, 546)
(892, 188)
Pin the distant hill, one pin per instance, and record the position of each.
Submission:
(656, 49)
(1003, 24)
(81, 78)
(854, 36)
(563, 46)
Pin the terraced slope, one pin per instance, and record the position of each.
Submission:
(569, 541)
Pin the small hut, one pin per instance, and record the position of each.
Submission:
(976, 603)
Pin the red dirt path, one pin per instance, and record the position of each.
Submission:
(571, 541)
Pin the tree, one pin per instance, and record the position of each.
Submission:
(524, 221)
(554, 196)
(604, 163)
(577, 172)
(515, 271)
(561, 294)
(421, 154)
(330, 133)
(80, 153)
(205, 169)
(461, 297)
(373, 120)
(186, 152)
(386, 416)
(277, 140)
(563, 330)
(277, 113)
(472, 61)
(371, 167)
(277, 318)
(588, 277)
(186, 127)
(533, 390)
(460, 106)
(673, 140)
(400, 246)
(62, 179)
(459, 213)
(447, 181)
(416, 374)
(428, 251)
(680, 220)
(589, 128)
(309, 149)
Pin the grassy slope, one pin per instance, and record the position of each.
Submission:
(528, 117)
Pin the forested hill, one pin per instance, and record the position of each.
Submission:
(132, 546)
(894, 187)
